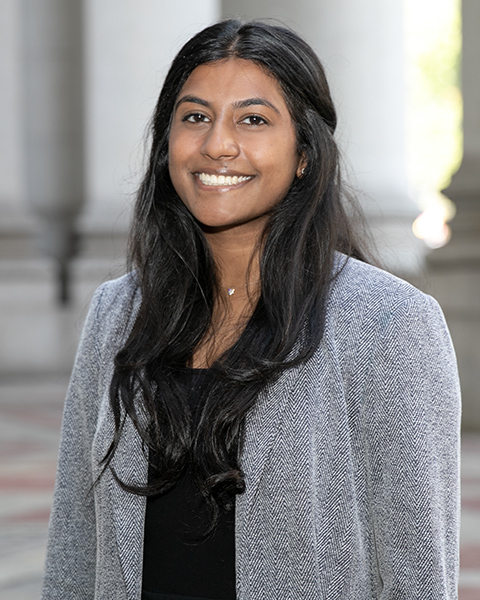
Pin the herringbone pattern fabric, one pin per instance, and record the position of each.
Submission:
(351, 461)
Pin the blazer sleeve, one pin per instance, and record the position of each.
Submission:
(412, 422)
(71, 548)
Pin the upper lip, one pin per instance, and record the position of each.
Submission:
(225, 172)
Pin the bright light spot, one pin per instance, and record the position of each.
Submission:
(434, 111)
(431, 227)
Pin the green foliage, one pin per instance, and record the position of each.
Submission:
(434, 104)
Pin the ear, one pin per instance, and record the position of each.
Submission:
(302, 165)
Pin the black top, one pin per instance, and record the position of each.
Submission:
(177, 561)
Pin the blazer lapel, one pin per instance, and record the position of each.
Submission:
(261, 429)
(129, 509)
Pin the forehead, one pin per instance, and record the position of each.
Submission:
(231, 80)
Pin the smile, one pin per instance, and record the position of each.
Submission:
(222, 180)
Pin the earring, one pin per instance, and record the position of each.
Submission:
(302, 172)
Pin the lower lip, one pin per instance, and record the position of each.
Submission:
(220, 187)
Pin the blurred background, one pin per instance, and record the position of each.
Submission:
(79, 80)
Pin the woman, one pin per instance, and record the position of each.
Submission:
(290, 412)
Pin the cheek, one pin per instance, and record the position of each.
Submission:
(176, 177)
(282, 170)
(173, 147)
(284, 156)
(181, 158)
(176, 161)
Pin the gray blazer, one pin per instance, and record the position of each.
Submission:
(351, 460)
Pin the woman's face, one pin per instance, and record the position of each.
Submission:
(232, 145)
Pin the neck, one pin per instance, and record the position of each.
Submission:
(236, 256)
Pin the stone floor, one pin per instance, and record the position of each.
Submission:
(36, 349)
(30, 416)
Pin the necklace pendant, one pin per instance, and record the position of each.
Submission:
(231, 291)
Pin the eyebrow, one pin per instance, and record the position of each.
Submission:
(236, 105)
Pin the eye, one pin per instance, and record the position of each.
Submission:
(254, 120)
(195, 118)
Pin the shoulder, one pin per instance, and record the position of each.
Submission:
(112, 311)
(353, 278)
(390, 345)
(117, 292)
(367, 301)
(368, 288)
(113, 297)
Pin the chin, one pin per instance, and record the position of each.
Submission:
(216, 226)
(217, 221)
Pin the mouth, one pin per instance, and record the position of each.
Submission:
(222, 180)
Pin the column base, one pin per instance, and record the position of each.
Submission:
(455, 279)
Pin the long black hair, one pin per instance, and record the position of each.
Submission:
(177, 276)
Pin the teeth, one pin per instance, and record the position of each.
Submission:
(207, 179)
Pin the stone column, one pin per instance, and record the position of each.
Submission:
(53, 123)
(10, 120)
(455, 268)
(128, 49)
(361, 45)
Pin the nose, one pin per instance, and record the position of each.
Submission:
(221, 141)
